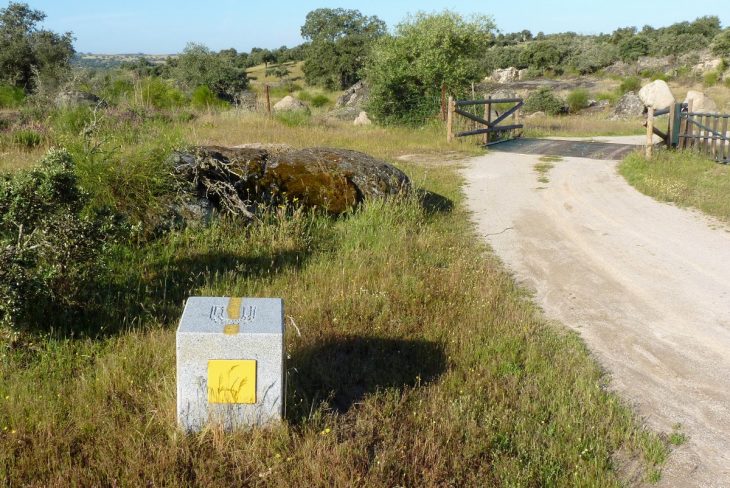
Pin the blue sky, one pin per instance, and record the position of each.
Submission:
(165, 26)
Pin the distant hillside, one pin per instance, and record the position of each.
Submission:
(89, 60)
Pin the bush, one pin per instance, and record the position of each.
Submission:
(405, 72)
(10, 96)
(204, 98)
(319, 101)
(577, 100)
(72, 120)
(49, 250)
(159, 94)
(198, 66)
(27, 138)
(655, 75)
(543, 100)
(711, 78)
(632, 83)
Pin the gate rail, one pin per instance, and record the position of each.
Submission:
(492, 131)
(706, 133)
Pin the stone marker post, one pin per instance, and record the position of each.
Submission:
(230, 362)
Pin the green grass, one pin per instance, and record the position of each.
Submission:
(684, 178)
(544, 166)
(413, 357)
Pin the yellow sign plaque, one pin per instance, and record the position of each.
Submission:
(232, 381)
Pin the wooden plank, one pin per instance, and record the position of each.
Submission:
(503, 128)
(724, 143)
(670, 130)
(488, 116)
(464, 103)
(715, 124)
(689, 141)
(507, 113)
(473, 117)
(690, 126)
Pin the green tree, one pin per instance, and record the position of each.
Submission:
(406, 71)
(721, 44)
(199, 66)
(27, 51)
(632, 48)
(339, 44)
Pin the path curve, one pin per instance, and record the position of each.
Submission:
(646, 284)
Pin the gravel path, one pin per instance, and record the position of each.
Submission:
(646, 284)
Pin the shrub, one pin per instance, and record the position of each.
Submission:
(204, 98)
(10, 96)
(654, 75)
(577, 100)
(27, 138)
(72, 120)
(721, 44)
(632, 83)
(198, 66)
(543, 100)
(49, 250)
(319, 100)
(612, 97)
(159, 94)
(406, 71)
(711, 78)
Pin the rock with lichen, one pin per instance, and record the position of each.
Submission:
(237, 180)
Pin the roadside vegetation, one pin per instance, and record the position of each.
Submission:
(446, 372)
(437, 350)
(685, 178)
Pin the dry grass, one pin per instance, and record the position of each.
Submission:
(580, 126)
(385, 142)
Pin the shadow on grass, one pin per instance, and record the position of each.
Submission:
(433, 202)
(344, 371)
(145, 297)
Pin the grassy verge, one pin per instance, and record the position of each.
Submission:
(684, 178)
(413, 358)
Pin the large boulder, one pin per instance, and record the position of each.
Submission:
(290, 104)
(237, 180)
(355, 96)
(507, 75)
(628, 106)
(362, 119)
(649, 63)
(657, 94)
(707, 65)
(701, 102)
(347, 114)
(74, 98)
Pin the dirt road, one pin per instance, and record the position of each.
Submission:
(646, 284)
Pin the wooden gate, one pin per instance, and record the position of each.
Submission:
(706, 133)
(496, 111)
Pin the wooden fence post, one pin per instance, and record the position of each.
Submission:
(672, 128)
(649, 133)
(268, 100)
(450, 121)
(487, 117)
